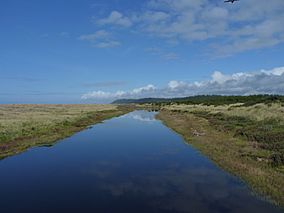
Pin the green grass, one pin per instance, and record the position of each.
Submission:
(24, 126)
(267, 134)
(245, 140)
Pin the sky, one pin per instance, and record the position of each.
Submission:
(96, 51)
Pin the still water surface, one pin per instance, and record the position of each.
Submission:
(132, 163)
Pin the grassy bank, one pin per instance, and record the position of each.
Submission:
(247, 141)
(25, 126)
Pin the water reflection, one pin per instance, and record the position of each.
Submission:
(142, 115)
(128, 164)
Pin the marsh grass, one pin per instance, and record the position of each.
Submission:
(258, 112)
(260, 124)
(24, 126)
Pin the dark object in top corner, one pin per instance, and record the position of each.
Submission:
(231, 1)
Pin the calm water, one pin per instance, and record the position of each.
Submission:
(128, 164)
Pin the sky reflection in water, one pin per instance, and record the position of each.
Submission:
(132, 163)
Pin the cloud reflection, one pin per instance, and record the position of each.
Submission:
(143, 116)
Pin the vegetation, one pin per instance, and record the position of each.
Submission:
(245, 139)
(207, 100)
(24, 126)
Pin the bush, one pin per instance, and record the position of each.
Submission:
(277, 159)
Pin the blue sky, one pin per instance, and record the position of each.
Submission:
(96, 51)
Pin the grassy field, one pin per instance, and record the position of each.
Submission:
(24, 126)
(247, 141)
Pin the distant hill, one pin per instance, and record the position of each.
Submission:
(140, 101)
(207, 100)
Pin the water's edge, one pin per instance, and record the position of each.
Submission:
(257, 188)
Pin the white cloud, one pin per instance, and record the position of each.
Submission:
(162, 53)
(100, 39)
(108, 44)
(102, 95)
(170, 56)
(100, 34)
(115, 18)
(146, 90)
(220, 78)
(150, 17)
(230, 28)
(276, 71)
(176, 84)
(242, 83)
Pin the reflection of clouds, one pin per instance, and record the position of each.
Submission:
(142, 115)
(102, 169)
(141, 118)
(181, 189)
(177, 189)
(164, 152)
(118, 189)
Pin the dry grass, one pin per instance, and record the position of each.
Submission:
(14, 118)
(255, 112)
(23, 126)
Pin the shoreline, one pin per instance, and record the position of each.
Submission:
(58, 131)
(224, 150)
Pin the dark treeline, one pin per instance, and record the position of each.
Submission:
(208, 100)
